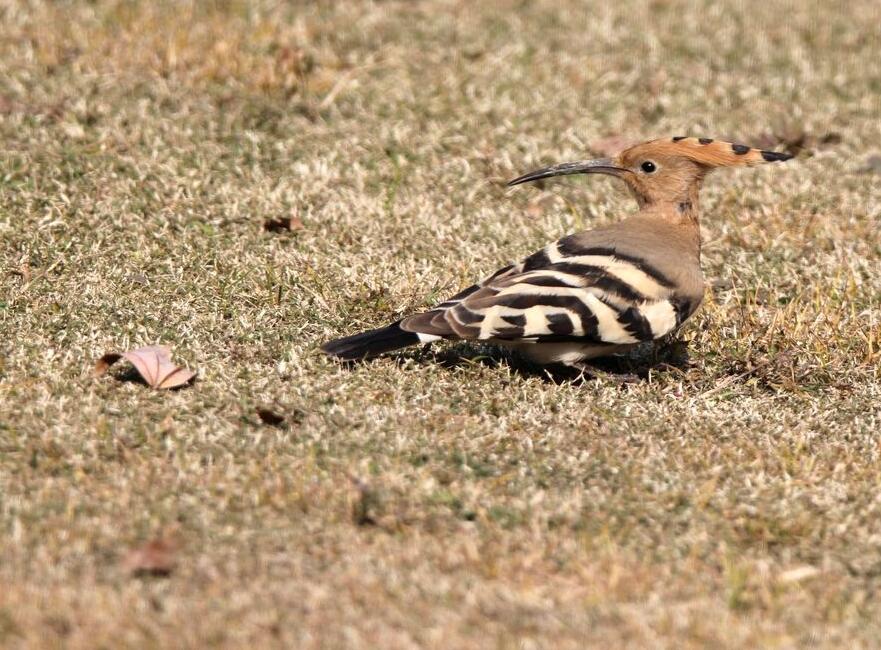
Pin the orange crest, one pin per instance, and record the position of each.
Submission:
(707, 152)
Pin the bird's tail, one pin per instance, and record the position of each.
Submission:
(372, 343)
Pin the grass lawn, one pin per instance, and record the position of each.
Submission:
(446, 497)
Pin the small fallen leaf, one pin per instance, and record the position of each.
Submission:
(156, 557)
(364, 503)
(153, 363)
(285, 224)
(103, 364)
(270, 417)
(831, 138)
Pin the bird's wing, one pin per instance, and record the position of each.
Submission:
(459, 297)
(568, 291)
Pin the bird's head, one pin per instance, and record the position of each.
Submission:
(669, 170)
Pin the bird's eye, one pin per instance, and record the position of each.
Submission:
(648, 167)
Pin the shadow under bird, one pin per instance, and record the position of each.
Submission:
(596, 292)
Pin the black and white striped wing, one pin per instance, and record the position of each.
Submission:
(562, 293)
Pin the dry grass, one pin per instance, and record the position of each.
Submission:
(431, 499)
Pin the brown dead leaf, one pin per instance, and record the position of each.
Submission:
(364, 503)
(611, 145)
(156, 557)
(286, 224)
(154, 365)
(270, 417)
(103, 364)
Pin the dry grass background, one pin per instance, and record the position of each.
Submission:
(442, 498)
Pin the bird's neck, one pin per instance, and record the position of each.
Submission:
(682, 213)
(677, 208)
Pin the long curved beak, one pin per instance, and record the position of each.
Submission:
(598, 166)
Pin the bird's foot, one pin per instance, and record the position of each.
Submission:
(586, 371)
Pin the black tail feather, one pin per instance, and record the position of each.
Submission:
(370, 344)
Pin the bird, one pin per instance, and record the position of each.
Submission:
(593, 293)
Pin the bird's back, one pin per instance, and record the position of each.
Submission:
(597, 290)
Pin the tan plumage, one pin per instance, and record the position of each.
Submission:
(596, 292)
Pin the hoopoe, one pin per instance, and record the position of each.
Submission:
(593, 293)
